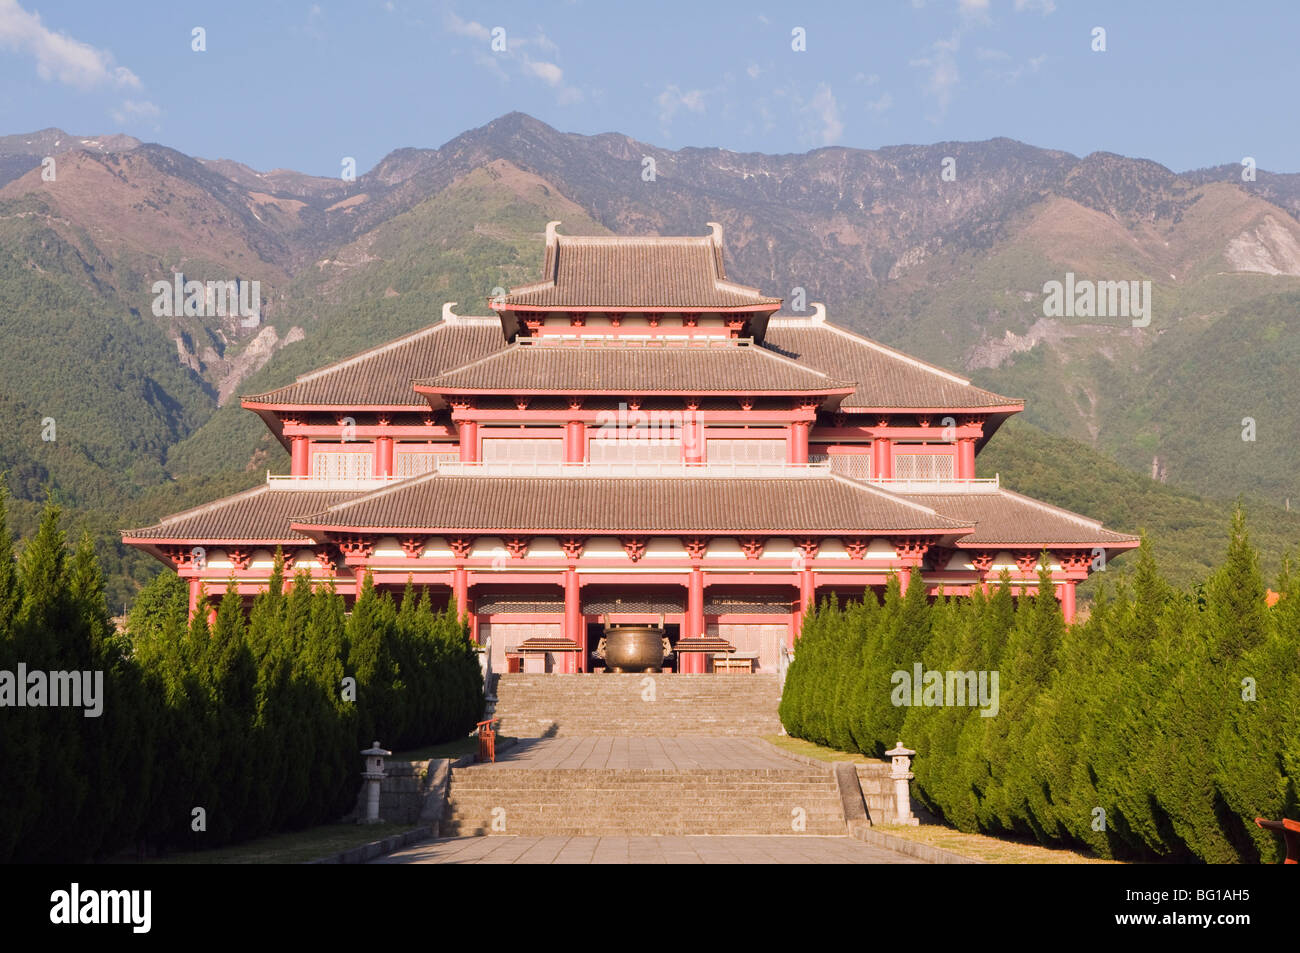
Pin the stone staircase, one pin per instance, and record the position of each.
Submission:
(668, 705)
(502, 800)
(635, 754)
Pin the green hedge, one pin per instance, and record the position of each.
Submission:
(1159, 727)
(247, 718)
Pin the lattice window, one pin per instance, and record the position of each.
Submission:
(745, 450)
(634, 450)
(523, 450)
(414, 464)
(924, 466)
(355, 465)
(855, 466)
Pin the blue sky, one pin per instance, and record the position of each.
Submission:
(291, 84)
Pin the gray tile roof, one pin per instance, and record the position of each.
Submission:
(885, 378)
(1003, 518)
(700, 368)
(382, 376)
(257, 515)
(676, 505)
(636, 273)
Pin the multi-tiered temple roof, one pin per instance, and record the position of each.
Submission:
(634, 421)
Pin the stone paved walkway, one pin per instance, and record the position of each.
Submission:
(659, 754)
(700, 849)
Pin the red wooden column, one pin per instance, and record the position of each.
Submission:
(904, 578)
(460, 590)
(966, 458)
(807, 594)
(469, 441)
(384, 456)
(799, 441)
(575, 442)
(573, 626)
(882, 458)
(694, 662)
(692, 434)
(194, 596)
(299, 461)
(1065, 592)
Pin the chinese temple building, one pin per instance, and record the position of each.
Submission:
(633, 439)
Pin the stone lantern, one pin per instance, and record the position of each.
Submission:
(900, 774)
(374, 775)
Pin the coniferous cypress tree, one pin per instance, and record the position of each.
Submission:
(1249, 768)
(1026, 673)
(921, 723)
(944, 787)
(18, 742)
(333, 782)
(275, 737)
(370, 637)
(1235, 597)
(48, 642)
(903, 639)
(228, 674)
(975, 770)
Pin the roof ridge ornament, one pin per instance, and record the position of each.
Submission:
(447, 316)
(715, 230)
(819, 313)
(551, 237)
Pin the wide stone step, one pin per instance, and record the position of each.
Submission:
(624, 705)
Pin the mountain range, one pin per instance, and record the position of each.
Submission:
(943, 250)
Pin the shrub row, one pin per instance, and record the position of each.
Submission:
(1159, 727)
(209, 733)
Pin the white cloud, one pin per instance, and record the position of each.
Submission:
(515, 54)
(827, 111)
(470, 28)
(548, 73)
(1043, 6)
(672, 99)
(986, 55)
(133, 110)
(973, 9)
(1030, 65)
(943, 75)
(753, 70)
(880, 105)
(58, 56)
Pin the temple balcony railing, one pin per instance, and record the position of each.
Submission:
(937, 484)
(651, 338)
(285, 481)
(767, 471)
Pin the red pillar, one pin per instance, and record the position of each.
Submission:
(573, 626)
(966, 458)
(693, 438)
(469, 441)
(460, 590)
(384, 456)
(807, 594)
(904, 578)
(799, 441)
(694, 620)
(298, 458)
(1065, 591)
(882, 460)
(575, 442)
(194, 596)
